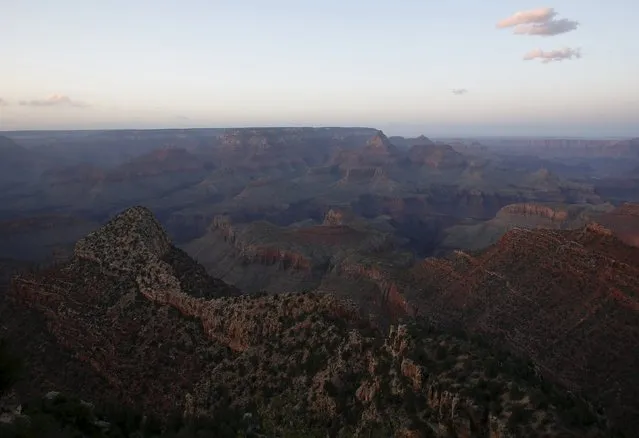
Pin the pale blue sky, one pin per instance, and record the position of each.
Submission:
(382, 63)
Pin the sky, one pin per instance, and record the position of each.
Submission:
(437, 67)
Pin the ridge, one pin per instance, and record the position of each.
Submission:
(306, 363)
(128, 242)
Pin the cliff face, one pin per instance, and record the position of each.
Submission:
(567, 299)
(536, 210)
(341, 256)
(260, 253)
(130, 308)
(476, 236)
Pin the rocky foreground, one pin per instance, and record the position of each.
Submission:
(132, 320)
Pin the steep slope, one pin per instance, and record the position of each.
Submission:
(566, 299)
(129, 310)
(624, 222)
(98, 310)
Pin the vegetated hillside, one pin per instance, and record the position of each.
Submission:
(128, 310)
(569, 300)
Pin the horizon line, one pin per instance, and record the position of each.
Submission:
(258, 127)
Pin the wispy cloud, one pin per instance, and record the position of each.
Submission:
(553, 27)
(3, 102)
(553, 55)
(459, 91)
(539, 21)
(54, 100)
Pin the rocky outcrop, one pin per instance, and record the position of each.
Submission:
(528, 209)
(131, 241)
(380, 144)
(338, 216)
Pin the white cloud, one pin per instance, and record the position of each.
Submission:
(54, 100)
(459, 91)
(538, 22)
(553, 55)
(540, 15)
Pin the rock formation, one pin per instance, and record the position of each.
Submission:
(128, 309)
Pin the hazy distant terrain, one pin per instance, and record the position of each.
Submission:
(57, 185)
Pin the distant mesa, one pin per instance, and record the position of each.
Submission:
(422, 140)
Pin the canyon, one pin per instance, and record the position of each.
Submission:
(326, 280)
